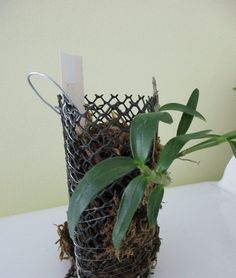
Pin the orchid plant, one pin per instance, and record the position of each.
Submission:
(143, 133)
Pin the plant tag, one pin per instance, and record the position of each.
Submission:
(72, 79)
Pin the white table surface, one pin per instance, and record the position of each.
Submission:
(198, 231)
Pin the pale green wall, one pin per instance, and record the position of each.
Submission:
(185, 44)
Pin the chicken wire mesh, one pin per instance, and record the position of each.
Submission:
(99, 133)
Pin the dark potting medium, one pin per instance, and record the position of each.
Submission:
(103, 132)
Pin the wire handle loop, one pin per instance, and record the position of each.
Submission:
(44, 75)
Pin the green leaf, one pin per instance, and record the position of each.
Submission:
(212, 142)
(186, 119)
(95, 180)
(233, 147)
(143, 129)
(154, 203)
(129, 203)
(173, 146)
(182, 108)
(230, 135)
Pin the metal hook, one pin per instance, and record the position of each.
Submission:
(54, 108)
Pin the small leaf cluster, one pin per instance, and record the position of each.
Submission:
(143, 133)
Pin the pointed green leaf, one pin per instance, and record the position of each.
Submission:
(154, 203)
(182, 108)
(230, 135)
(186, 119)
(173, 146)
(143, 129)
(233, 147)
(129, 203)
(95, 180)
(212, 142)
(203, 145)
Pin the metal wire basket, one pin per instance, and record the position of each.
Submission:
(99, 133)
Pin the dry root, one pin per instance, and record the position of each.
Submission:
(66, 247)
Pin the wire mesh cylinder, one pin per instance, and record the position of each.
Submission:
(103, 132)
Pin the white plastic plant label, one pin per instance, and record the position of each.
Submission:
(72, 79)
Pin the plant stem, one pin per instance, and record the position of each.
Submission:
(155, 95)
(155, 177)
(156, 109)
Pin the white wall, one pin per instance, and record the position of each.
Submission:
(185, 44)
